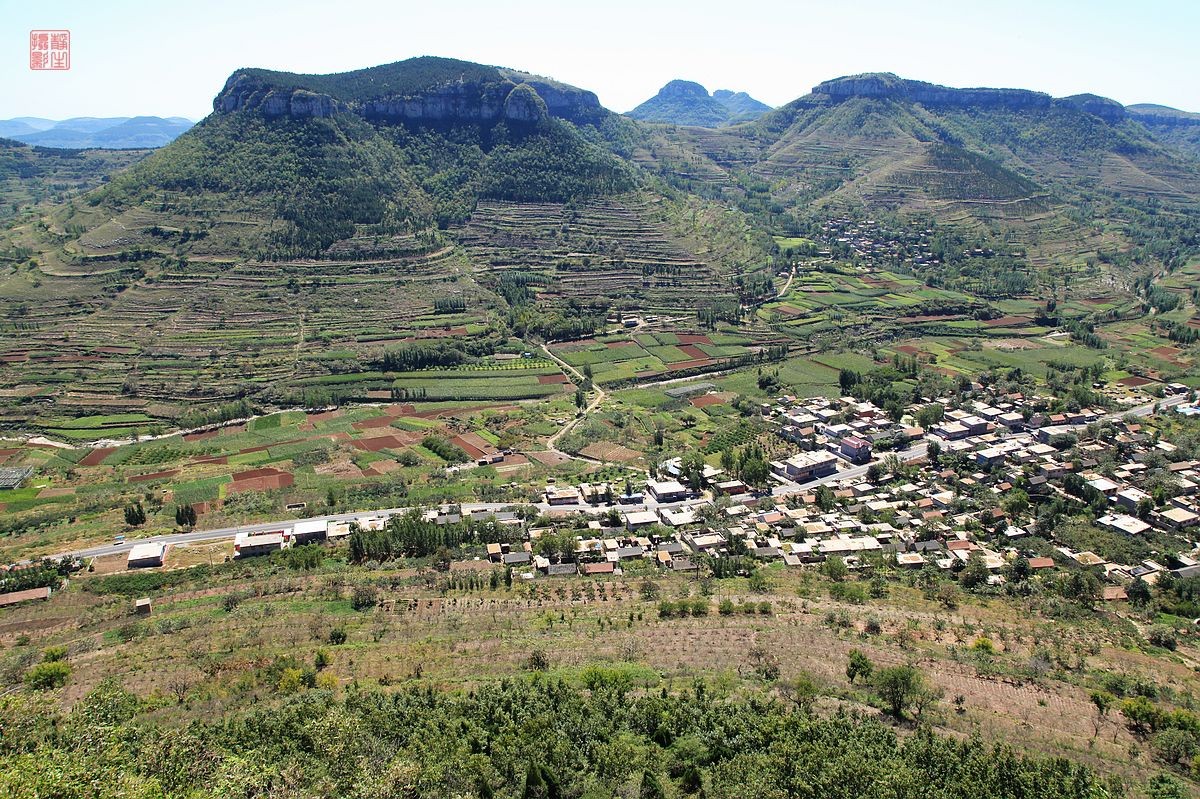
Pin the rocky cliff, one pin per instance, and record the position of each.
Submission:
(422, 91)
(887, 85)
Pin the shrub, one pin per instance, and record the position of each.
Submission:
(365, 597)
(699, 607)
(48, 674)
(290, 681)
(1162, 636)
(1175, 746)
(538, 661)
(848, 592)
(54, 653)
(337, 636)
(764, 608)
(1140, 713)
(984, 646)
(725, 608)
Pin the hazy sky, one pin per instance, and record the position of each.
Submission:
(133, 57)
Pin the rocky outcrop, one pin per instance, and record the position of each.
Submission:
(1162, 115)
(525, 105)
(887, 85)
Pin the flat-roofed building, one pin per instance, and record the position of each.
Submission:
(1123, 523)
(249, 544)
(806, 466)
(306, 531)
(145, 556)
(667, 490)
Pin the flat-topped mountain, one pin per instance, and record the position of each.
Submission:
(886, 85)
(685, 102)
(1170, 125)
(425, 89)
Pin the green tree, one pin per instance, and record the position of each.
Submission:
(651, 788)
(135, 515)
(859, 666)
(835, 568)
(755, 471)
(899, 687)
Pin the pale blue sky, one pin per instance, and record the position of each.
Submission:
(134, 57)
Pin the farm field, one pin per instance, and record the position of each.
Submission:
(353, 458)
(624, 358)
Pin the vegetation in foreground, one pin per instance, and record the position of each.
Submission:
(538, 737)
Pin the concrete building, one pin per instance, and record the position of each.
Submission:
(146, 556)
(249, 544)
(806, 466)
(667, 490)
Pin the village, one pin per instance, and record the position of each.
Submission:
(859, 487)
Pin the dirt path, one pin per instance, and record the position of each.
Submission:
(552, 442)
(788, 284)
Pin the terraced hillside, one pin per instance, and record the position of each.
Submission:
(282, 247)
(1071, 179)
(612, 248)
(29, 175)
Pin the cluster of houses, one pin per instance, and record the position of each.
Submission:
(935, 517)
(829, 430)
(868, 240)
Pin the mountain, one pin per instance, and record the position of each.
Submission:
(1179, 128)
(1075, 179)
(683, 102)
(741, 106)
(112, 133)
(357, 208)
(317, 214)
(402, 147)
(22, 125)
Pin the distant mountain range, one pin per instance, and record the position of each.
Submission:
(684, 102)
(111, 133)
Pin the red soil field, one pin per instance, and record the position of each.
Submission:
(97, 456)
(141, 478)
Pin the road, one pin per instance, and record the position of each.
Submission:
(223, 533)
